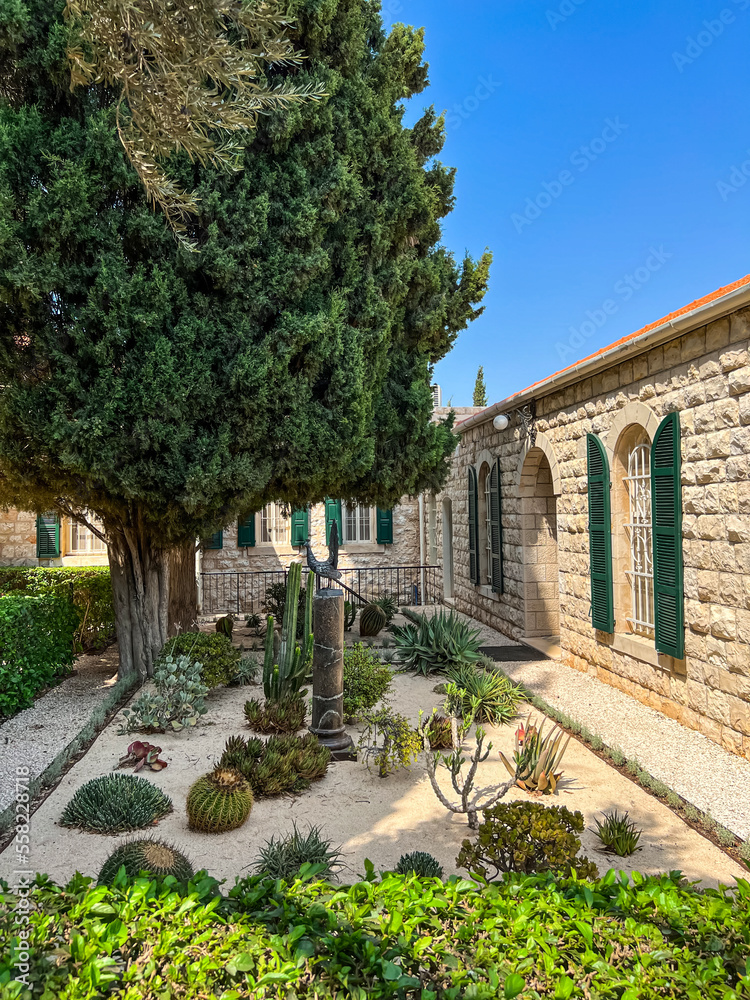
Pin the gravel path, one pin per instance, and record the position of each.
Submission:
(34, 737)
(702, 772)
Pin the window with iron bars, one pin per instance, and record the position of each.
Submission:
(639, 529)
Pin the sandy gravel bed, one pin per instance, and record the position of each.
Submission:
(368, 816)
(702, 772)
(34, 737)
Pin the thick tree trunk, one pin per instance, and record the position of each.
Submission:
(140, 588)
(183, 590)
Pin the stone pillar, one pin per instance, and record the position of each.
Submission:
(328, 674)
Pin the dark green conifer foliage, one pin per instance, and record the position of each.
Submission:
(290, 359)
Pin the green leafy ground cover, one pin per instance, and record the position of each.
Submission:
(399, 936)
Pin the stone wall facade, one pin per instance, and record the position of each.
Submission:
(703, 375)
(18, 538)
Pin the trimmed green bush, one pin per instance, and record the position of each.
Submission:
(155, 857)
(89, 587)
(366, 681)
(36, 647)
(219, 659)
(116, 803)
(528, 936)
(526, 837)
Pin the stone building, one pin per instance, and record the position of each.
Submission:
(28, 540)
(603, 515)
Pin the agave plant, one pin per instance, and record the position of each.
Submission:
(618, 833)
(536, 758)
(429, 645)
(141, 754)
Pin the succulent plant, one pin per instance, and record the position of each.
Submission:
(283, 857)
(350, 613)
(389, 604)
(285, 716)
(219, 801)
(536, 757)
(372, 619)
(433, 644)
(283, 675)
(618, 833)
(116, 803)
(527, 837)
(178, 702)
(141, 754)
(225, 626)
(439, 731)
(281, 764)
(156, 857)
(419, 863)
(486, 697)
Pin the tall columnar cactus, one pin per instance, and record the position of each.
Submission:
(283, 678)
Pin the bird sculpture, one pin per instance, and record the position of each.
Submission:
(328, 568)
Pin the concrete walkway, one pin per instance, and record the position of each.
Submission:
(702, 772)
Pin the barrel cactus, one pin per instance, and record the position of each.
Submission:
(219, 801)
(371, 620)
(155, 857)
(116, 803)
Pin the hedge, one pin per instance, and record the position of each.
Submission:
(36, 646)
(400, 937)
(90, 589)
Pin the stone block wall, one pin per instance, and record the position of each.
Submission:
(705, 376)
(17, 538)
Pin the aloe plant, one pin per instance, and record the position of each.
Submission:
(434, 644)
(283, 677)
(536, 758)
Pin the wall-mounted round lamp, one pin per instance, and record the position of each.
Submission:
(501, 422)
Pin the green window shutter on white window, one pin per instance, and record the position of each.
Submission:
(600, 536)
(333, 513)
(666, 511)
(300, 531)
(384, 526)
(48, 536)
(496, 529)
(473, 528)
(215, 541)
(246, 532)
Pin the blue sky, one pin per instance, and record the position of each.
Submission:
(636, 117)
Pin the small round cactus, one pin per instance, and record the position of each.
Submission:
(153, 856)
(372, 619)
(419, 863)
(116, 803)
(219, 801)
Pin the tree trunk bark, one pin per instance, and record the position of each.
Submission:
(183, 590)
(140, 590)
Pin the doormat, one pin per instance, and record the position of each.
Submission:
(513, 654)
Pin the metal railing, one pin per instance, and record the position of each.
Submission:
(245, 592)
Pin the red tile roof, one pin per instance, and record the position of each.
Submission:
(632, 336)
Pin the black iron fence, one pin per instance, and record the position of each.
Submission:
(245, 593)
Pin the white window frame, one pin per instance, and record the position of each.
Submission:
(640, 538)
(356, 523)
(488, 526)
(92, 545)
(273, 527)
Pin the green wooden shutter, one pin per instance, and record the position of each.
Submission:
(48, 536)
(496, 529)
(333, 513)
(215, 541)
(300, 530)
(384, 525)
(600, 536)
(473, 532)
(666, 512)
(246, 532)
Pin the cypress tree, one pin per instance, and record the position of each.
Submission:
(170, 392)
(480, 390)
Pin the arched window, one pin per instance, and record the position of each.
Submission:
(639, 531)
(484, 525)
(632, 540)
